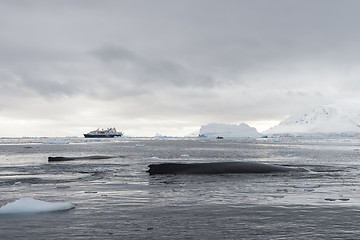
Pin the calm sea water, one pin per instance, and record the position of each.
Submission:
(116, 199)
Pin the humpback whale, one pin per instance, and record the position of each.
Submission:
(217, 168)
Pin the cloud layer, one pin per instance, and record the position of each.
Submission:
(171, 66)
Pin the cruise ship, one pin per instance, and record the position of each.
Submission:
(102, 133)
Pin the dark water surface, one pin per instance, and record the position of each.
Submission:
(116, 199)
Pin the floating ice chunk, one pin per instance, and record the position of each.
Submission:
(17, 183)
(30, 205)
(151, 158)
(56, 141)
(307, 186)
(139, 145)
(184, 155)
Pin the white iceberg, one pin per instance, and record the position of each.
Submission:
(227, 130)
(160, 136)
(30, 205)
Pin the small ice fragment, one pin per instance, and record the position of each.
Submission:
(139, 145)
(56, 141)
(30, 205)
(17, 183)
(151, 158)
(307, 186)
(184, 155)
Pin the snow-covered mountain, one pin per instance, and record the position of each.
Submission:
(227, 130)
(327, 119)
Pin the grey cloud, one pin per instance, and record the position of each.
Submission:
(150, 70)
(195, 61)
(116, 53)
(256, 35)
(47, 86)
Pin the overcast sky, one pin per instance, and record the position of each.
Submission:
(168, 67)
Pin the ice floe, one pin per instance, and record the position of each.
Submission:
(56, 141)
(151, 158)
(30, 205)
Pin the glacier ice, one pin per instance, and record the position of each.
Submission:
(325, 119)
(30, 205)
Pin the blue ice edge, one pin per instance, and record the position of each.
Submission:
(30, 205)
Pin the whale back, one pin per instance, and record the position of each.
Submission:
(215, 168)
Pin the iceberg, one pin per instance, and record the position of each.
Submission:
(30, 205)
(229, 130)
(160, 136)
